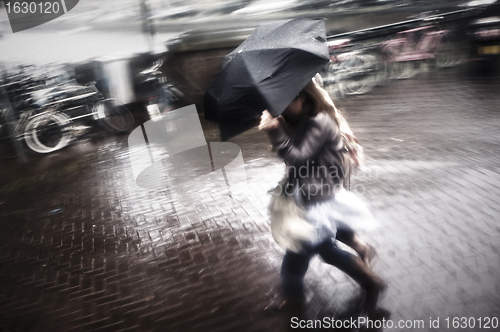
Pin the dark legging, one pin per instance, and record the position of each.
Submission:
(295, 266)
(345, 233)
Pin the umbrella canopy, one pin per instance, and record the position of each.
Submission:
(266, 71)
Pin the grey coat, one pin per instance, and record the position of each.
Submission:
(313, 153)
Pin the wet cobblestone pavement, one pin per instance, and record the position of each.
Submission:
(84, 249)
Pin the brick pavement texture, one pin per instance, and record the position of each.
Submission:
(84, 249)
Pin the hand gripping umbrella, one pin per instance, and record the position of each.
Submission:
(266, 71)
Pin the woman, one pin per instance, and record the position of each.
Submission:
(309, 137)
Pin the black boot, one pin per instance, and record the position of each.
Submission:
(364, 276)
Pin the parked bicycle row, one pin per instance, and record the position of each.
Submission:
(42, 110)
(358, 67)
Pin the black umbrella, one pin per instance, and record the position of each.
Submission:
(266, 71)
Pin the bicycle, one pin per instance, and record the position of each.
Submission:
(19, 122)
(405, 55)
(155, 92)
(351, 70)
(48, 118)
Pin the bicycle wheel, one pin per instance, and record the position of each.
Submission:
(449, 54)
(47, 133)
(115, 119)
(360, 74)
(335, 91)
(404, 69)
(330, 83)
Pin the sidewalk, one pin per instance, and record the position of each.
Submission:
(84, 249)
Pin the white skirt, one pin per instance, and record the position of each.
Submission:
(344, 207)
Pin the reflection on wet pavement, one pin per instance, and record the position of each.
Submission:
(84, 248)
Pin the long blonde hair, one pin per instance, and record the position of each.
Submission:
(321, 102)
